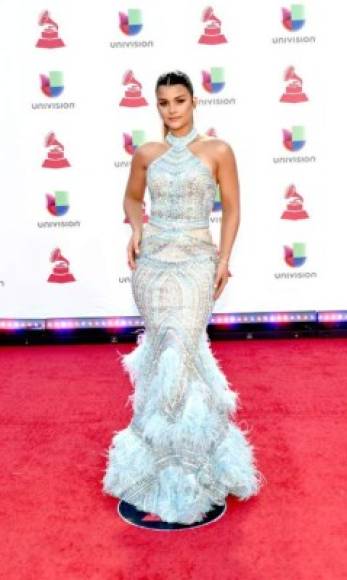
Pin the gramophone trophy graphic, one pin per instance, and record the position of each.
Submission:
(212, 32)
(55, 157)
(133, 96)
(49, 34)
(60, 273)
(211, 132)
(294, 209)
(293, 92)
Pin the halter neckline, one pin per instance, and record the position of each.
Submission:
(181, 142)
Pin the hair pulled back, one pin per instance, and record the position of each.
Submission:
(175, 77)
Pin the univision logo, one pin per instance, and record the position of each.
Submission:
(295, 256)
(294, 140)
(217, 204)
(132, 141)
(293, 18)
(213, 80)
(58, 203)
(130, 23)
(53, 84)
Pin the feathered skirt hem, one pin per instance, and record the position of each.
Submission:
(180, 458)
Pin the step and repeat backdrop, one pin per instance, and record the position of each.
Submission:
(78, 97)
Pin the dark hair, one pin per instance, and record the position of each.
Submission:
(175, 77)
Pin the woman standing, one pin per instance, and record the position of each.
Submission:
(181, 454)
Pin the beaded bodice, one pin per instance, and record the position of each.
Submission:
(181, 186)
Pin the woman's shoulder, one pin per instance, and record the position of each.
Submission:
(148, 150)
(219, 148)
(216, 142)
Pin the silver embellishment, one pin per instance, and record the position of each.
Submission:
(181, 454)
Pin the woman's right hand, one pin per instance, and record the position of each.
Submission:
(133, 248)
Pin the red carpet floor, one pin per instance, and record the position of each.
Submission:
(59, 408)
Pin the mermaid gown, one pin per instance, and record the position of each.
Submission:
(181, 453)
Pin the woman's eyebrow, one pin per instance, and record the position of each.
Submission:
(177, 97)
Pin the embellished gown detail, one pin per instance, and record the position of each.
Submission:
(181, 453)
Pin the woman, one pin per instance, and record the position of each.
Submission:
(181, 453)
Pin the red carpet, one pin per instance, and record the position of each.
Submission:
(59, 408)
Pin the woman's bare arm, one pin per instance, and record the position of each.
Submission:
(227, 176)
(135, 190)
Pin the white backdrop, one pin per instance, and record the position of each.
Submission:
(89, 128)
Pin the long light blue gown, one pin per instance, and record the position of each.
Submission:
(182, 453)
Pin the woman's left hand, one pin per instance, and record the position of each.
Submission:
(221, 279)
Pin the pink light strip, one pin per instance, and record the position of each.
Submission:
(226, 319)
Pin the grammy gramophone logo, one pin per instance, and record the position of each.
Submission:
(133, 91)
(61, 268)
(295, 205)
(212, 32)
(293, 91)
(49, 32)
(55, 158)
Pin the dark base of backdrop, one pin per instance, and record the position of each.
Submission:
(216, 332)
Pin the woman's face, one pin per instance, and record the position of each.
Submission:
(175, 105)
